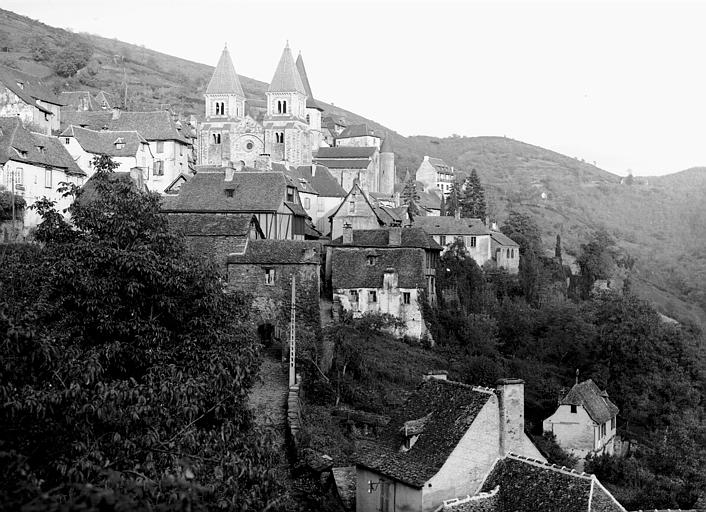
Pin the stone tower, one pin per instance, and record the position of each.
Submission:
(313, 110)
(228, 135)
(386, 178)
(286, 129)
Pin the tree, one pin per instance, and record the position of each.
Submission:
(410, 195)
(596, 260)
(472, 200)
(74, 55)
(124, 367)
(452, 203)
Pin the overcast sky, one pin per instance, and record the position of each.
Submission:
(621, 84)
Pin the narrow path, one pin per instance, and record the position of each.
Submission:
(268, 399)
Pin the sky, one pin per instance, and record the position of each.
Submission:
(621, 84)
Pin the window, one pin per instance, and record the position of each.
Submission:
(354, 295)
(442, 240)
(66, 140)
(279, 137)
(406, 297)
(320, 206)
(372, 260)
(290, 194)
(229, 192)
(307, 203)
(473, 241)
(573, 409)
(220, 108)
(284, 107)
(385, 497)
(269, 276)
(603, 429)
(508, 253)
(40, 149)
(181, 149)
(612, 423)
(47, 178)
(308, 119)
(351, 208)
(158, 168)
(216, 138)
(160, 146)
(372, 296)
(249, 145)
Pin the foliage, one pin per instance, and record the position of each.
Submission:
(552, 451)
(73, 55)
(472, 197)
(124, 367)
(410, 196)
(6, 200)
(453, 202)
(596, 261)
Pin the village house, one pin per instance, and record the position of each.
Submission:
(329, 193)
(585, 421)
(33, 166)
(446, 230)
(265, 270)
(268, 195)
(170, 140)
(83, 100)
(441, 444)
(435, 174)
(215, 235)
(505, 251)
(384, 271)
(128, 149)
(26, 97)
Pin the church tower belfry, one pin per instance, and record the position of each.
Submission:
(224, 95)
(286, 129)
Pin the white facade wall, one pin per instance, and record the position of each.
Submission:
(481, 253)
(365, 141)
(12, 105)
(577, 433)
(432, 179)
(175, 158)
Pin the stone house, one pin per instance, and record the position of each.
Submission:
(170, 140)
(435, 174)
(128, 149)
(585, 421)
(505, 252)
(265, 270)
(33, 165)
(356, 210)
(441, 444)
(83, 100)
(216, 235)
(359, 135)
(350, 165)
(329, 192)
(26, 97)
(267, 195)
(384, 271)
(446, 230)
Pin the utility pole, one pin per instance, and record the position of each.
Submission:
(292, 338)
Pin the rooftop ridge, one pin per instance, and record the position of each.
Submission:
(484, 389)
(476, 497)
(546, 465)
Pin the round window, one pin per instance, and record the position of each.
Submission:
(249, 145)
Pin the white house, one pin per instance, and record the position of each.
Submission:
(505, 252)
(585, 420)
(26, 97)
(447, 230)
(435, 174)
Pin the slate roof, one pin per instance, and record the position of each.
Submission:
(75, 98)
(502, 239)
(32, 88)
(350, 268)
(104, 142)
(333, 120)
(452, 408)
(224, 79)
(346, 152)
(14, 137)
(294, 178)
(280, 252)
(253, 191)
(358, 130)
(411, 238)
(528, 485)
(589, 395)
(440, 165)
(286, 77)
(155, 125)
(386, 146)
(444, 225)
(89, 191)
(321, 180)
(310, 101)
(344, 163)
(199, 224)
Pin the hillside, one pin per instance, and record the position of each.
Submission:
(658, 221)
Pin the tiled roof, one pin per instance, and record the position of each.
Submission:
(411, 237)
(442, 225)
(502, 239)
(155, 125)
(104, 142)
(286, 77)
(295, 178)
(386, 145)
(253, 191)
(15, 138)
(281, 252)
(322, 181)
(224, 79)
(346, 152)
(452, 408)
(588, 395)
(527, 485)
(359, 130)
(77, 99)
(90, 191)
(104, 96)
(310, 101)
(341, 163)
(209, 224)
(350, 268)
(389, 215)
(333, 120)
(31, 89)
(440, 165)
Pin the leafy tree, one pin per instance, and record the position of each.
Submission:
(472, 199)
(6, 200)
(124, 367)
(596, 260)
(74, 55)
(523, 230)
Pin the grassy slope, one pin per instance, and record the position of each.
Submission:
(659, 223)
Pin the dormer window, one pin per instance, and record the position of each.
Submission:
(20, 85)
(119, 143)
(40, 149)
(290, 194)
(229, 192)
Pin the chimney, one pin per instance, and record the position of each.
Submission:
(435, 374)
(457, 212)
(313, 170)
(116, 113)
(395, 237)
(487, 221)
(263, 162)
(229, 173)
(426, 158)
(511, 405)
(390, 279)
(347, 234)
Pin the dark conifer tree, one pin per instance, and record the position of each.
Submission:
(472, 198)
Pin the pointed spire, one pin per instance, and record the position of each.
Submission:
(224, 79)
(310, 101)
(286, 77)
(386, 144)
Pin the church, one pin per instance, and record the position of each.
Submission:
(289, 131)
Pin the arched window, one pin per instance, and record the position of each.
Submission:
(279, 107)
(508, 253)
(216, 138)
(284, 107)
(279, 137)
